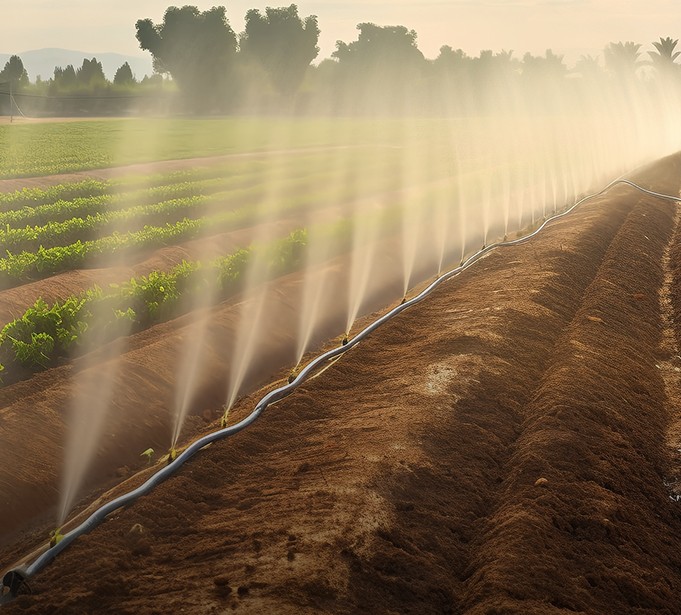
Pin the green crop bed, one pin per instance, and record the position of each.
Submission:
(320, 174)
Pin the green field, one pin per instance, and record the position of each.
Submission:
(97, 223)
(50, 148)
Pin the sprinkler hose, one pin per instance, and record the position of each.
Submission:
(14, 579)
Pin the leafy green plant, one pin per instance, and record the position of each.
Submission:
(36, 353)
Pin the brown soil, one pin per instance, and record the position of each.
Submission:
(509, 445)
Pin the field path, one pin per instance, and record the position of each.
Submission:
(506, 446)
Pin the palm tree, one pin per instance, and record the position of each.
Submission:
(622, 59)
(588, 67)
(548, 66)
(663, 58)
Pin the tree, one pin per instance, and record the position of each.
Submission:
(622, 59)
(381, 47)
(14, 72)
(124, 76)
(283, 44)
(64, 78)
(197, 49)
(548, 66)
(91, 73)
(384, 65)
(663, 59)
(588, 67)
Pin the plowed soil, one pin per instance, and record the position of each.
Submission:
(510, 445)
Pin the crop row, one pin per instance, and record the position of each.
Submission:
(160, 186)
(44, 334)
(65, 222)
(47, 333)
(55, 234)
(25, 266)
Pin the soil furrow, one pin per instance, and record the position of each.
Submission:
(404, 478)
(670, 353)
(468, 449)
(583, 500)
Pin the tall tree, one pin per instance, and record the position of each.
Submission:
(91, 73)
(451, 63)
(14, 72)
(124, 75)
(664, 58)
(381, 47)
(622, 59)
(197, 49)
(283, 44)
(589, 67)
(548, 66)
(383, 66)
(64, 78)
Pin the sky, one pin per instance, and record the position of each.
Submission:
(569, 27)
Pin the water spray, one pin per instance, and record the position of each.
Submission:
(15, 580)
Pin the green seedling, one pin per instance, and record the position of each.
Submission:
(149, 453)
(56, 537)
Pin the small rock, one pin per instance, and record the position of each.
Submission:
(136, 530)
(541, 482)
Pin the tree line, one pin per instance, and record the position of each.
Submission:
(202, 66)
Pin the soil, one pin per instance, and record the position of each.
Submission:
(509, 445)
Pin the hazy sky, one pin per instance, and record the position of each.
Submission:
(571, 27)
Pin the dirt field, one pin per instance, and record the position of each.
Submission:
(510, 445)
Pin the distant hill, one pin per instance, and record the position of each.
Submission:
(42, 62)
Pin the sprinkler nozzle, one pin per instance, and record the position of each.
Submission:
(14, 580)
(56, 537)
(344, 341)
(292, 376)
(404, 300)
(172, 455)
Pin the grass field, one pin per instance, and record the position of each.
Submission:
(50, 148)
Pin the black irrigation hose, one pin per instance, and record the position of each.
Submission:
(14, 579)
